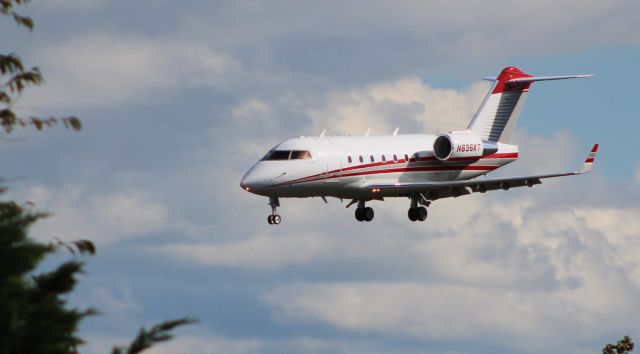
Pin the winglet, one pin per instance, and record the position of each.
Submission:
(588, 163)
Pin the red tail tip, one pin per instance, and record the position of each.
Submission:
(508, 73)
(595, 148)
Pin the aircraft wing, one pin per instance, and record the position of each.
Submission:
(438, 190)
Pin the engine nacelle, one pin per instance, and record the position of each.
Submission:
(457, 145)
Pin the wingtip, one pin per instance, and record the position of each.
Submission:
(588, 163)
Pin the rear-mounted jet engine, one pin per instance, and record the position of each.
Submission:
(461, 145)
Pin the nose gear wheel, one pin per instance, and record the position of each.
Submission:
(274, 218)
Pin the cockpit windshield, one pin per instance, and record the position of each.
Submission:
(300, 155)
(287, 155)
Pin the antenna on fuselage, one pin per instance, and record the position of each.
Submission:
(395, 132)
(368, 131)
(323, 132)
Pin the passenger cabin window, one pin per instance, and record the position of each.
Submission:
(372, 159)
(275, 155)
(361, 159)
(406, 158)
(395, 157)
(383, 158)
(349, 159)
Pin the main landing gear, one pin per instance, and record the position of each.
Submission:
(418, 213)
(364, 213)
(274, 218)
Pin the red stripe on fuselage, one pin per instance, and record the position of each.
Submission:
(329, 174)
(421, 169)
(396, 170)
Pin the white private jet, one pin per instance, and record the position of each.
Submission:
(420, 167)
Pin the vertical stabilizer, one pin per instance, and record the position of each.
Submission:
(500, 110)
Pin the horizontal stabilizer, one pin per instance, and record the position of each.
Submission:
(545, 78)
(538, 78)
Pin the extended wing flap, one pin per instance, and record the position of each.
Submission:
(491, 185)
(438, 190)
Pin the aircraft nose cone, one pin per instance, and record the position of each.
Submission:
(250, 182)
(247, 184)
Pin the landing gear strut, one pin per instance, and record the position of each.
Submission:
(364, 213)
(418, 213)
(274, 218)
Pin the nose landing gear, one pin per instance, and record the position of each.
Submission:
(274, 218)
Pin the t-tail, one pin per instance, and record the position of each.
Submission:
(500, 110)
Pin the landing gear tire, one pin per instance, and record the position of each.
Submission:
(421, 213)
(368, 214)
(413, 214)
(274, 219)
(417, 214)
(363, 213)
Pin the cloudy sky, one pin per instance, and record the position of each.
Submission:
(178, 100)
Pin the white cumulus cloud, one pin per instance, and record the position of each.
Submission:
(529, 266)
(409, 103)
(102, 218)
(258, 253)
(103, 69)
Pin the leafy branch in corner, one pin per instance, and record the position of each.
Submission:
(14, 79)
(147, 338)
(6, 8)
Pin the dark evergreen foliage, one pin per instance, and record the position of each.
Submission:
(147, 338)
(624, 346)
(34, 317)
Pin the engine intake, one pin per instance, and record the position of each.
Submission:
(458, 145)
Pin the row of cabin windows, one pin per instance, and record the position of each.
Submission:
(383, 157)
(287, 155)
